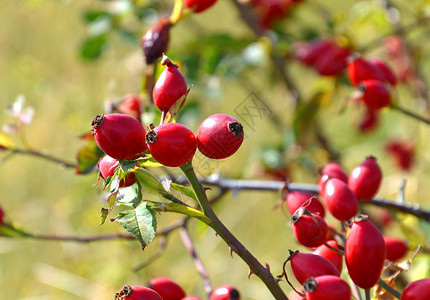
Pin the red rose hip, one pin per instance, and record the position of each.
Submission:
(167, 288)
(119, 136)
(365, 253)
(360, 69)
(417, 290)
(107, 166)
(137, 293)
(334, 257)
(219, 136)
(170, 86)
(327, 287)
(171, 144)
(156, 40)
(396, 248)
(307, 265)
(376, 94)
(225, 292)
(365, 179)
(340, 199)
(296, 199)
(309, 229)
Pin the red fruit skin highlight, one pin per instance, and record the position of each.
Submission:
(225, 292)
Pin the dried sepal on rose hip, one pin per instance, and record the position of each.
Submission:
(119, 136)
(137, 293)
(107, 167)
(309, 229)
(364, 247)
(225, 292)
(171, 144)
(156, 40)
(167, 288)
(219, 136)
(296, 199)
(170, 87)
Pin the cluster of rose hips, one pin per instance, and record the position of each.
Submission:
(364, 249)
(162, 288)
(123, 137)
(326, 56)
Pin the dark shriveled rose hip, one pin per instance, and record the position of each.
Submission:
(156, 40)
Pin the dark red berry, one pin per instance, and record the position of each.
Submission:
(385, 69)
(376, 94)
(334, 257)
(171, 144)
(308, 53)
(270, 11)
(369, 121)
(402, 153)
(365, 179)
(170, 86)
(332, 62)
(167, 288)
(199, 5)
(331, 170)
(156, 40)
(365, 253)
(307, 265)
(296, 199)
(309, 229)
(119, 136)
(225, 292)
(339, 199)
(131, 105)
(219, 136)
(417, 290)
(137, 293)
(360, 69)
(107, 166)
(396, 248)
(327, 287)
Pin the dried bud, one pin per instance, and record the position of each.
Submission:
(156, 40)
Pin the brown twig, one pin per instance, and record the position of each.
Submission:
(44, 156)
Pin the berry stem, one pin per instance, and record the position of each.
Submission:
(255, 266)
(334, 249)
(367, 293)
(410, 113)
(388, 288)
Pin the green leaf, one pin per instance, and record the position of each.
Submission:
(148, 161)
(88, 157)
(111, 199)
(140, 222)
(130, 196)
(181, 209)
(184, 190)
(149, 182)
(93, 47)
(104, 212)
(94, 15)
(8, 230)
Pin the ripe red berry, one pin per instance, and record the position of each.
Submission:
(417, 290)
(107, 166)
(171, 144)
(156, 40)
(307, 265)
(333, 61)
(167, 288)
(331, 170)
(296, 199)
(334, 257)
(131, 105)
(376, 94)
(402, 152)
(309, 229)
(396, 248)
(137, 293)
(369, 121)
(385, 69)
(365, 253)
(327, 287)
(308, 53)
(339, 199)
(225, 292)
(360, 69)
(365, 179)
(119, 136)
(170, 86)
(219, 136)
(270, 11)
(199, 5)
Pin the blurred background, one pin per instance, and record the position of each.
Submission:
(66, 58)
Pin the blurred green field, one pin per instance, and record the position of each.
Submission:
(39, 58)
